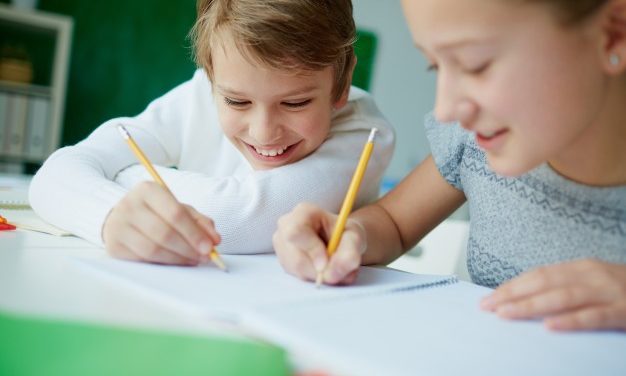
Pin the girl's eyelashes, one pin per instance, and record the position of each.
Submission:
(297, 104)
(473, 71)
(235, 103)
(478, 69)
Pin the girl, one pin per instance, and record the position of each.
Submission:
(535, 90)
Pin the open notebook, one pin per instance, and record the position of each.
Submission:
(252, 281)
(388, 323)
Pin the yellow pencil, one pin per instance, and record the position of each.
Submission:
(213, 255)
(348, 202)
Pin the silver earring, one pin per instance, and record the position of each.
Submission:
(614, 59)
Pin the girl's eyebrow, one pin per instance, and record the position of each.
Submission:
(448, 45)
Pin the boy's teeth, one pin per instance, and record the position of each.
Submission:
(270, 153)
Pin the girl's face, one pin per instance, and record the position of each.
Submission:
(530, 89)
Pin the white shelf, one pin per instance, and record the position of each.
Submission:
(61, 27)
(26, 89)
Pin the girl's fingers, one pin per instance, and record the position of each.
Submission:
(345, 263)
(552, 302)
(537, 281)
(590, 318)
(298, 250)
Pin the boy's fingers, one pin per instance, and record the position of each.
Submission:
(163, 234)
(177, 215)
(120, 251)
(207, 225)
(146, 249)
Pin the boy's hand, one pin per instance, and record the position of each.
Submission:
(300, 243)
(150, 225)
(578, 295)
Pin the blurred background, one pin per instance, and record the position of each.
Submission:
(66, 66)
(124, 53)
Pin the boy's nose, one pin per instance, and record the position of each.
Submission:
(264, 128)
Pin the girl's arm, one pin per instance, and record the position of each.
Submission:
(400, 219)
(375, 234)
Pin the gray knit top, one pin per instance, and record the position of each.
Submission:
(539, 218)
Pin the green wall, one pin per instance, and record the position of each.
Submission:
(124, 54)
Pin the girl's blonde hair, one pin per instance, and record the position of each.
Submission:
(291, 35)
(572, 12)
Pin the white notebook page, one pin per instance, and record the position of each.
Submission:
(435, 331)
(252, 281)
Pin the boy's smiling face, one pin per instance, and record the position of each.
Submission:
(272, 117)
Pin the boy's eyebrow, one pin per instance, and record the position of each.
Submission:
(303, 90)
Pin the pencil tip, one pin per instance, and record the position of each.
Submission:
(318, 280)
(217, 260)
(372, 135)
(123, 131)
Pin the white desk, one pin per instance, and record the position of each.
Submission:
(442, 251)
(38, 278)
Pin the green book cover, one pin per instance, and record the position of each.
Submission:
(32, 346)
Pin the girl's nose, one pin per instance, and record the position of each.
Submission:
(452, 105)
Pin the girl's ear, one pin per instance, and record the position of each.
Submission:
(343, 99)
(614, 31)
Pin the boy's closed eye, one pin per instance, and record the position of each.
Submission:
(297, 104)
(235, 103)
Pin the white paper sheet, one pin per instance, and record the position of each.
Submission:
(252, 281)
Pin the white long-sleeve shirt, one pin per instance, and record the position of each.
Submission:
(78, 185)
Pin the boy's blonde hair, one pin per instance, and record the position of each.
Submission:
(291, 35)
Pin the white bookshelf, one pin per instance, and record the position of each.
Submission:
(47, 101)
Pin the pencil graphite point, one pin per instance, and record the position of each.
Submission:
(372, 135)
(318, 279)
(215, 257)
(123, 131)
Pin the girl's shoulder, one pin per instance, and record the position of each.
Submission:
(448, 144)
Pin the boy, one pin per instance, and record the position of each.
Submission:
(275, 79)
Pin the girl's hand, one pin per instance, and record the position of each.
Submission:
(578, 295)
(148, 224)
(300, 243)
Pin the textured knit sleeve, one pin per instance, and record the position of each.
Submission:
(246, 207)
(447, 145)
(75, 188)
